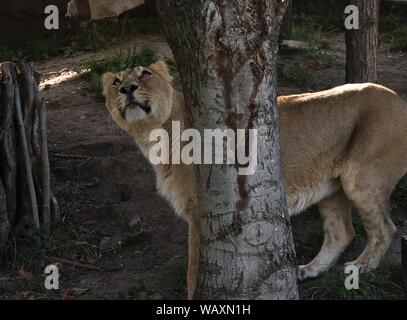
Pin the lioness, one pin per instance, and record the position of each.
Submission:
(342, 147)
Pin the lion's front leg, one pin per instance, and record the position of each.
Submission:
(193, 257)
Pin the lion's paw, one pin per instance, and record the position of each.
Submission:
(305, 272)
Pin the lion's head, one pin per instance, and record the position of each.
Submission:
(139, 96)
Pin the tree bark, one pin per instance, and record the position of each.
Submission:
(362, 44)
(226, 56)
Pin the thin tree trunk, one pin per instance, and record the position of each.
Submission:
(362, 44)
(226, 56)
(27, 159)
(45, 170)
(287, 25)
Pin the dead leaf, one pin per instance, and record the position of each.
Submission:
(27, 295)
(71, 293)
(91, 260)
(23, 275)
(67, 295)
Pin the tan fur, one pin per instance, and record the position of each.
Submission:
(176, 183)
(342, 147)
(347, 147)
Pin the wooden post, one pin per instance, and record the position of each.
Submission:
(25, 190)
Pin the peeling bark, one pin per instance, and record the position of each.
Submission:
(226, 56)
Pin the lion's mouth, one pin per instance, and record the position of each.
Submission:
(132, 104)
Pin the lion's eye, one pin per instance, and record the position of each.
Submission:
(146, 74)
(116, 83)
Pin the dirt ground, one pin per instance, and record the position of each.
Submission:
(131, 243)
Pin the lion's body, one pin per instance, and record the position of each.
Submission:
(327, 134)
(342, 147)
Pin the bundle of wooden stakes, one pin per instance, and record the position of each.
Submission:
(26, 199)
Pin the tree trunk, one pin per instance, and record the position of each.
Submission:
(226, 56)
(362, 44)
(25, 195)
(287, 25)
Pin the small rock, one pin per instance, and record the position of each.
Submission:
(109, 243)
(134, 221)
(138, 291)
(105, 244)
(136, 238)
(126, 192)
(111, 267)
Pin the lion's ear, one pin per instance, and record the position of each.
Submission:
(108, 79)
(161, 68)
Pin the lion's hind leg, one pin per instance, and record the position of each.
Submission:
(371, 199)
(338, 233)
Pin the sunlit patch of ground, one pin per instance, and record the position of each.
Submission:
(58, 77)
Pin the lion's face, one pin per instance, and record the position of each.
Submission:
(139, 96)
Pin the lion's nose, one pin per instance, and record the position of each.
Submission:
(128, 89)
